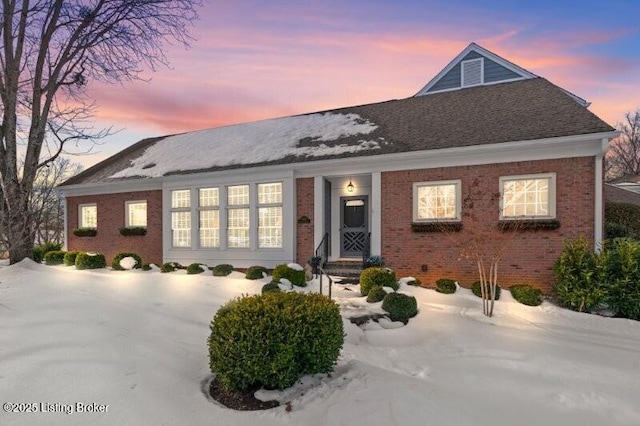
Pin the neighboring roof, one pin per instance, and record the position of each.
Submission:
(516, 111)
(616, 194)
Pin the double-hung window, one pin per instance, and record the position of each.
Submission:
(209, 217)
(529, 196)
(270, 215)
(136, 213)
(87, 216)
(436, 201)
(181, 218)
(238, 235)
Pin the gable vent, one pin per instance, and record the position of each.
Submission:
(472, 74)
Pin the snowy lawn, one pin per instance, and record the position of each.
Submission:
(136, 342)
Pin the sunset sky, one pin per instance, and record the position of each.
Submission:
(250, 61)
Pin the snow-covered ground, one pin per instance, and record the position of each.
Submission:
(136, 342)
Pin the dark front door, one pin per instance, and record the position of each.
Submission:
(354, 226)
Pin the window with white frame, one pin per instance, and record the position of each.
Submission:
(87, 216)
(436, 201)
(181, 218)
(209, 217)
(529, 196)
(136, 213)
(270, 215)
(238, 223)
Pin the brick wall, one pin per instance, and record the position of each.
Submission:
(529, 255)
(111, 217)
(304, 206)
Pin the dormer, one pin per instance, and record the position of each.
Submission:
(475, 66)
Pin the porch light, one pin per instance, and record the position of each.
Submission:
(350, 187)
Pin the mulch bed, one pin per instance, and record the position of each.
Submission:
(241, 400)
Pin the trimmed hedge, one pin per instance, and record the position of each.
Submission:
(446, 286)
(383, 277)
(55, 257)
(256, 272)
(115, 264)
(477, 290)
(526, 294)
(270, 287)
(376, 294)
(90, 261)
(38, 252)
(194, 268)
(272, 340)
(400, 306)
(622, 220)
(70, 258)
(222, 270)
(294, 276)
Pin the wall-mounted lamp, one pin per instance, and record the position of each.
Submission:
(350, 187)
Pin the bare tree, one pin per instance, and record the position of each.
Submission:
(623, 157)
(50, 50)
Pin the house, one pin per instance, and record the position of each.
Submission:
(384, 178)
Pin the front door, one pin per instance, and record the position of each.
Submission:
(354, 226)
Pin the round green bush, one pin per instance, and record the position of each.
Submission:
(146, 267)
(477, 290)
(90, 261)
(70, 258)
(194, 268)
(400, 306)
(446, 286)
(256, 272)
(294, 276)
(222, 270)
(383, 277)
(55, 257)
(376, 294)
(115, 264)
(272, 286)
(38, 252)
(168, 267)
(526, 294)
(272, 340)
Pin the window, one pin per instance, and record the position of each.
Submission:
(209, 217)
(136, 213)
(87, 216)
(181, 218)
(238, 216)
(530, 196)
(270, 215)
(436, 201)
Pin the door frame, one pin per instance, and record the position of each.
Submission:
(342, 200)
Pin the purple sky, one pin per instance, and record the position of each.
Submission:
(250, 61)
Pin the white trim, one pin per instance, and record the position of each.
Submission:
(65, 216)
(376, 213)
(132, 185)
(464, 64)
(598, 222)
(80, 206)
(458, 187)
(318, 211)
(491, 83)
(126, 211)
(551, 195)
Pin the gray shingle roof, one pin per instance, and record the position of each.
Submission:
(516, 111)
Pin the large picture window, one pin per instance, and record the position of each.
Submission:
(436, 201)
(238, 223)
(530, 196)
(87, 216)
(181, 218)
(270, 215)
(209, 217)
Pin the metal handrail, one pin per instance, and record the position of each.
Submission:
(322, 273)
(322, 251)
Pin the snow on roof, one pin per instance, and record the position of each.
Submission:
(252, 143)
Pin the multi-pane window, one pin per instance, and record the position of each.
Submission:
(238, 224)
(434, 201)
(270, 215)
(136, 213)
(181, 218)
(88, 216)
(209, 217)
(528, 196)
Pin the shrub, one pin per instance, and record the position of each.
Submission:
(38, 252)
(400, 306)
(133, 230)
(90, 261)
(256, 272)
(146, 267)
(271, 340)
(194, 268)
(622, 277)
(446, 286)
(618, 230)
(383, 277)
(70, 258)
(373, 261)
(115, 264)
(376, 294)
(578, 277)
(296, 277)
(85, 232)
(415, 282)
(622, 218)
(55, 257)
(168, 267)
(526, 294)
(477, 290)
(222, 270)
(272, 286)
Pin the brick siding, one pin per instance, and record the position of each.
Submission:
(304, 207)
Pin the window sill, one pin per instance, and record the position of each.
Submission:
(436, 226)
(506, 225)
